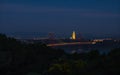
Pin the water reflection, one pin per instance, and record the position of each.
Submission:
(84, 49)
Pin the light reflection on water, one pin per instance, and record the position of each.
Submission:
(84, 49)
(101, 50)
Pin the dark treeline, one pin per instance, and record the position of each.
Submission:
(19, 58)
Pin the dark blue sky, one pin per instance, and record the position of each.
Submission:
(39, 17)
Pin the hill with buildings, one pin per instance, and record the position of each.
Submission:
(20, 58)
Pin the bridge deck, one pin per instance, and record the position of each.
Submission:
(71, 43)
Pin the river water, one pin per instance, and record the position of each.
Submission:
(86, 48)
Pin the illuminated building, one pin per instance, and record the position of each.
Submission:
(73, 35)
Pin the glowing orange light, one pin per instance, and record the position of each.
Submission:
(73, 35)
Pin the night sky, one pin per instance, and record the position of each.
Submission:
(30, 18)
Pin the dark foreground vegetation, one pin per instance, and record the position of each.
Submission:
(18, 58)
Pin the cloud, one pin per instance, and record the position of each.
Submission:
(20, 8)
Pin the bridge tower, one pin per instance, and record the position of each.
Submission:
(80, 37)
(51, 38)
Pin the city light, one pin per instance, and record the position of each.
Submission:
(73, 35)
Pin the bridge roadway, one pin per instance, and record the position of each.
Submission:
(70, 43)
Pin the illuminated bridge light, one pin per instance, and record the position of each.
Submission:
(72, 43)
(98, 40)
(93, 42)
